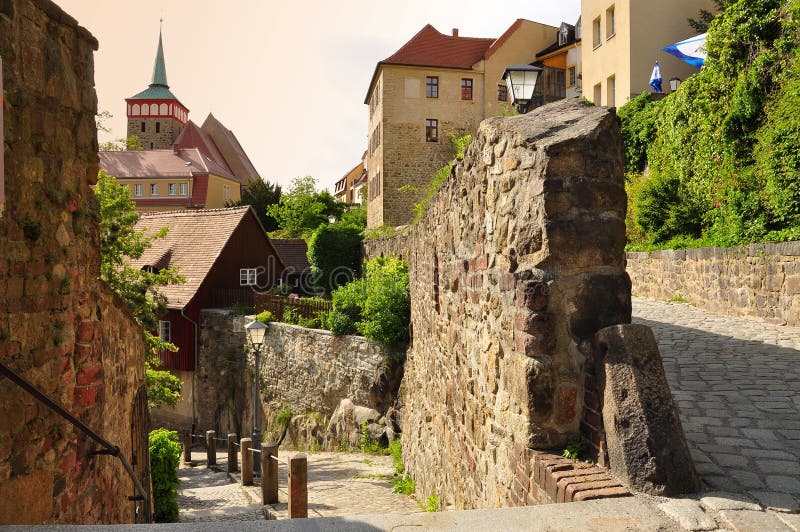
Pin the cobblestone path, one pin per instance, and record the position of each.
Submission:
(339, 484)
(737, 385)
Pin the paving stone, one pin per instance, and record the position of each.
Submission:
(790, 520)
(778, 502)
(759, 434)
(731, 460)
(748, 479)
(752, 521)
(778, 466)
(689, 514)
(721, 500)
(784, 484)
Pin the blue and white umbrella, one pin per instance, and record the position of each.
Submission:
(655, 78)
(692, 50)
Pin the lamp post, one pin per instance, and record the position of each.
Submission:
(521, 82)
(674, 83)
(255, 331)
(331, 219)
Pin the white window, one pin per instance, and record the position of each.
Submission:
(173, 189)
(137, 190)
(610, 23)
(165, 331)
(154, 189)
(597, 39)
(611, 91)
(226, 192)
(247, 277)
(184, 189)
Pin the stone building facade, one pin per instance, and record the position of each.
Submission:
(402, 157)
(759, 281)
(526, 237)
(61, 328)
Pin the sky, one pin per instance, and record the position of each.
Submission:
(288, 78)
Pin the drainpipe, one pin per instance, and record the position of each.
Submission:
(194, 372)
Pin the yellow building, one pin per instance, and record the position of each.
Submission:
(174, 179)
(624, 39)
(434, 86)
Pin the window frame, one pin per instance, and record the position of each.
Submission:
(502, 92)
(467, 86)
(431, 130)
(165, 326)
(144, 127)
(154, 189)
(572, 76)
(245, 278)
(172, 189)
(184, 189)
(597, 35)
(137, 190)
(611, 22)
(432, 87)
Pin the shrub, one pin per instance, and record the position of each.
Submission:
(284, 416)
(334, 253)
(396, 452)
(165, 453)
(638, 128)
(292, 316)
(265, 317)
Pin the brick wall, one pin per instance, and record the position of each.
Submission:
(759, 281)
(517, 263)
(169, 131)
(60, 327)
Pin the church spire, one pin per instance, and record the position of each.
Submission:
(159, 69)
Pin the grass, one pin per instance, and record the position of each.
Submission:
(678, 298)
(432, 503)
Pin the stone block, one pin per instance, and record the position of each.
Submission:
(646, 445)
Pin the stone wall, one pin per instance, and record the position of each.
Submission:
(756, 281)
(312, 370)
(61, 328)
(516, 265)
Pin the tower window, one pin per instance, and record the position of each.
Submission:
(144, 127)
(158, 127)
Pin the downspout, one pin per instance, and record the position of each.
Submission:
(194, 371)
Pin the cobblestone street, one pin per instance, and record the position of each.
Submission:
(737, 385)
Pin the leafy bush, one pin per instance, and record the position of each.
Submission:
(265, 317)
(293, 317)
(355, 218)
(638, 128)
(432, 503)
(383, 231)
(396, 452)
(334, 253)
(165, 453)
(163, 388)
(376, 306)
(284, 416)
(404, 484)
(367, 444)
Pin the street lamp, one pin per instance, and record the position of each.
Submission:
(331, 219)
(521, 81)
(255, 331)
(674, 83)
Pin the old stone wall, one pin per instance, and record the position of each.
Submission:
(312, 370)
(516, 265)
(61, 328)
(757, 281)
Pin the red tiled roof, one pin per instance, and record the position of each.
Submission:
(228, 145)
(194, 242)
(192, 136)
(293, 252)
(429, 47)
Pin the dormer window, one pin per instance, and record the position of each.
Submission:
(563, 35)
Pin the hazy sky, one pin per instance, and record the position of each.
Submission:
(289, 78)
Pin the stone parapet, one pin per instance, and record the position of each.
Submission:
(759, 281)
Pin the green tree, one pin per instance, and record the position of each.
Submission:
(130, 143)
(260, 194)
(120, 242)
(304, 208)
(334, 253)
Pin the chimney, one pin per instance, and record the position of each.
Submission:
(455, 32)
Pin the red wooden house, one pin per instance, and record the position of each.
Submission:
(225, 256)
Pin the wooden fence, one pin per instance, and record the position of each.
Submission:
(308, 308)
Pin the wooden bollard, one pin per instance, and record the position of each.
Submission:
(269, 474)
(187, 446)
(233, 462)
(211, 448)
(298, 486)
(247, 461)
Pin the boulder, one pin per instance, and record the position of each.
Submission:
(644, 436)
(346, 422)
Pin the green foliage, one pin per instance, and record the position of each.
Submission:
(334, 252)
(458, 146)
(384, 231)
(356, 217)
(293, 317)
(265, 317)
(376, 306)
(678, 298)
(261, 195)
(638, 128)
(284, 416)
(405, 485)
(120, 242)
(574, 450)
(432, 503)
(165, 453)
(304, 208)
(396, 452)
(367, 444)
(724, 153)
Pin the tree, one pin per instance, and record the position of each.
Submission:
(260, 194)
(334, 253)
(130, 143)
(119, 242)
(304, 208)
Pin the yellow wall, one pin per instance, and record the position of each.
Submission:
(180, 416)
(642, 30)
(215, 197)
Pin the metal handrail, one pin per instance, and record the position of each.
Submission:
(109, 448)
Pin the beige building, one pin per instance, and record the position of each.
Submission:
(624, 39)
(434, 86)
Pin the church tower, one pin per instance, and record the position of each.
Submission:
(155, 115)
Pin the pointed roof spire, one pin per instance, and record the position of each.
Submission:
(159, 69)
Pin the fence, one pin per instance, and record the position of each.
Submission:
(308, 308)
(269, 462)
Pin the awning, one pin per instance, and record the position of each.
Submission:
(692, 50)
